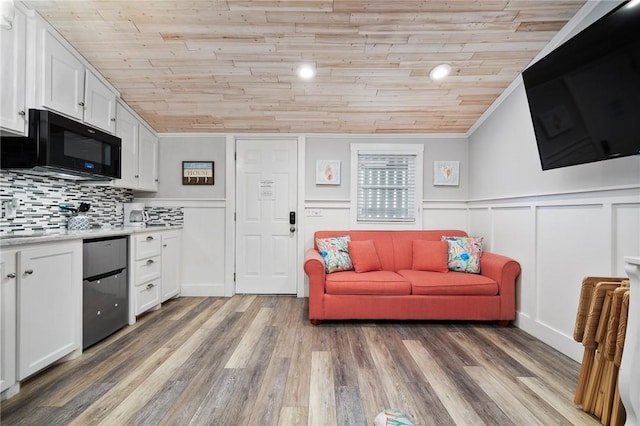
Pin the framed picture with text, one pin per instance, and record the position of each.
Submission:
(197, 172)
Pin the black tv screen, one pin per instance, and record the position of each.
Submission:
(584, 97)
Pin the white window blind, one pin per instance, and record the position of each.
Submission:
(386, 187)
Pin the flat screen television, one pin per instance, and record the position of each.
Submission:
(584, 97)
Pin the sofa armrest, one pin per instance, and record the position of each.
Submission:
(504, 271)
(314, 268)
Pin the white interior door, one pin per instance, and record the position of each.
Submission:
(266, 194)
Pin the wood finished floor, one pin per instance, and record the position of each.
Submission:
(256, 360)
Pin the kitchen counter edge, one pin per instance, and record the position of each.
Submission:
(82, 235)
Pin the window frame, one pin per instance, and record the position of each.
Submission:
(387, 149)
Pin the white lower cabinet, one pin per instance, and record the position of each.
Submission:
(171, 249)
(147, 295)
(8, 273)
(49, 320)
(155, 260)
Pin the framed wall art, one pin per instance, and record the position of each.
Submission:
(446, 173)
(328, 172)
(197, 172)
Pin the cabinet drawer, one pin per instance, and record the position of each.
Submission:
(147, 245)
(147, 296)
(146, 270)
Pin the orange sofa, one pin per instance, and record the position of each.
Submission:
(399, 292)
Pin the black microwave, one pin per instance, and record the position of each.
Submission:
(60, 147)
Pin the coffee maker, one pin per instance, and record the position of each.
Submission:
(135, 215)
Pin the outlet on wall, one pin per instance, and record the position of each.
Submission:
(314, 213)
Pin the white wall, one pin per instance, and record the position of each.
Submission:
(561, 225)
(204, 248)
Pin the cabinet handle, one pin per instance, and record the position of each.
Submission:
(22, 113)
(11, 275)
(136, 176)
(151, 285)
(113, 119)
(81, 104)
(28, 272)
(149, 238)
(164, 245)
(149, 262)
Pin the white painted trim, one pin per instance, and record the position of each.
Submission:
(186, 202)
(230, 225)
(300, 222)
(231, 187)
(374, 148)
(307, 135)
(555, 194)
(203, 290)
(550, 336)
(328, 202)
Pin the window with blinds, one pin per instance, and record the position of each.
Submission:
(386, 187)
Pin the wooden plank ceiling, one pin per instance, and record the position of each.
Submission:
(230, 66)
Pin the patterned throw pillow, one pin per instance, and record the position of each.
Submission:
(464, 253)
(335, 252)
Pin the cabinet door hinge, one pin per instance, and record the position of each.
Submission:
(234, 277)
(235, 156)
(234, 216)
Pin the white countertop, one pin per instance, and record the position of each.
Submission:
(20, 238)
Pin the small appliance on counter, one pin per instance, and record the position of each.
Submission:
(79, 221)
(135, 215)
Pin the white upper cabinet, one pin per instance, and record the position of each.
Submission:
(127, 129)
(13, 45)
(148, 161)
(99, 103)
(139, 168)
(62, 79)
(66, 85)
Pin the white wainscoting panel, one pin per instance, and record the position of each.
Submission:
(626, 219)
(480, 226)
(444, 215)
(203, 245)
(513, 234)
(559, 239)
(572, 242)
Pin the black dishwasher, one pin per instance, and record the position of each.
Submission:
(104, 290)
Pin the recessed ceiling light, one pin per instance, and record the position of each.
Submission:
(633, 3)
(306, 71)
(439, 72)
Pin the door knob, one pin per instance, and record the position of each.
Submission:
(292, 229)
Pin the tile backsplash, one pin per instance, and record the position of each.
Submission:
(40, 198)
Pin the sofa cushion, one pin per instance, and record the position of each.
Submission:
(464, 253)
(335, 252)
(430, 256)
(375, 282)
(453, 283)
(402, 253)
(364, 256)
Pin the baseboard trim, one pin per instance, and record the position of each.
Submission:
(551, 337)
(202, 290)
